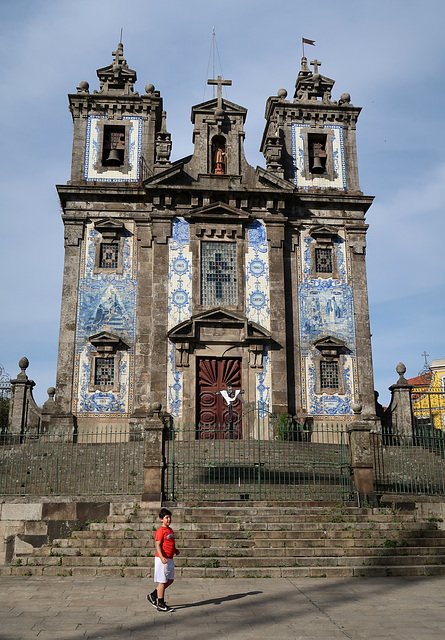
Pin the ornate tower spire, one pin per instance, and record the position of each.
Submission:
(117, 78)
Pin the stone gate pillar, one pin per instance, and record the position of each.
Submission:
(401, 407)
(21, 388)
(361, 461)
(154, 460)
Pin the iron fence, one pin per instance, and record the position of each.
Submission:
(428, 408)
(95, 460)
(274, 460)
(5, 394)
(412, 464)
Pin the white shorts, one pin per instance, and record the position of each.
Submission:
(164, 572)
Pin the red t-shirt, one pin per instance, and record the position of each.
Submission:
(166, 536)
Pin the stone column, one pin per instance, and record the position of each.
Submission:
(357, 244)
(142, 378)
(21, 389)
(401, 407)
(361, 456)
(159, 309)
(154, 460)
(275, 237)
(68, 319)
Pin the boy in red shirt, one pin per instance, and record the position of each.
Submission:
(164, 564)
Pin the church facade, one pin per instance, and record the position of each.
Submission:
(186, 278)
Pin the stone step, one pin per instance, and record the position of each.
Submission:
(231, 572)
(239, 531)
(255, 526)
(239, 562)
(295, 540)
(232, 540)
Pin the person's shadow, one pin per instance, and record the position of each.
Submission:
(232, 596)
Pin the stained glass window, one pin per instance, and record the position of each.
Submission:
(218, 274)
(329, 375)
(104, 372)
(108, 256)
(323, 260)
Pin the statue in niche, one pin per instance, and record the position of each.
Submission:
(219, 156)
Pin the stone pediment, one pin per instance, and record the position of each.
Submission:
(174, 174)
(270, 179)
(109, 228)
(219, 327)
(230, 108)
(329, 346)
(218, 212)
(220, 319)
(106, 341)
(323, 233)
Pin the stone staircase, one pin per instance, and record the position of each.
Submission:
(254, 540)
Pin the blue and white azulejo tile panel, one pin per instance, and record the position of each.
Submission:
(326, 308)
(106, 302)
(93, 152)
(179, 304)
(174, 384)
(263, 386)
(325, 404)
(257, 275)
(179, 274)
(299, 161)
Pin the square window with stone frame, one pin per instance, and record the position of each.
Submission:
(109, 255)
(323, 251)
(104, 372)
(323, 260)
(219, 285)
(329, 366)
(328, 375)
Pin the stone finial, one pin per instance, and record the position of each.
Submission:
(156, 407)
(304, 66)
(164, 122)
(282, 94)
(149, 88)
(51, 393)
(23, 364)
(163, 143)
(345, 98)
(357, 409)
(401, 369)
(83, 87)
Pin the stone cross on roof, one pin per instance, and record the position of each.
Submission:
(220, 82)
(315, 63)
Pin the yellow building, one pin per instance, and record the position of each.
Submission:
(429, 396)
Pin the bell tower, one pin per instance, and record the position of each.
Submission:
(119, 139)
(311, 142)
(115, 129)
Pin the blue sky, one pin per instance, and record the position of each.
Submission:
(389, 55)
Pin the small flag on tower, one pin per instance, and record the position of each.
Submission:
(306, 41)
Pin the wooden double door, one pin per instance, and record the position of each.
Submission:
(216, 374)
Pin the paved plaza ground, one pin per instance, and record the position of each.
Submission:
(56, 608)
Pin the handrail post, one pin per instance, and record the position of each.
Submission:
(361, 463)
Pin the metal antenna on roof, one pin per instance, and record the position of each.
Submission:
(213, 50)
